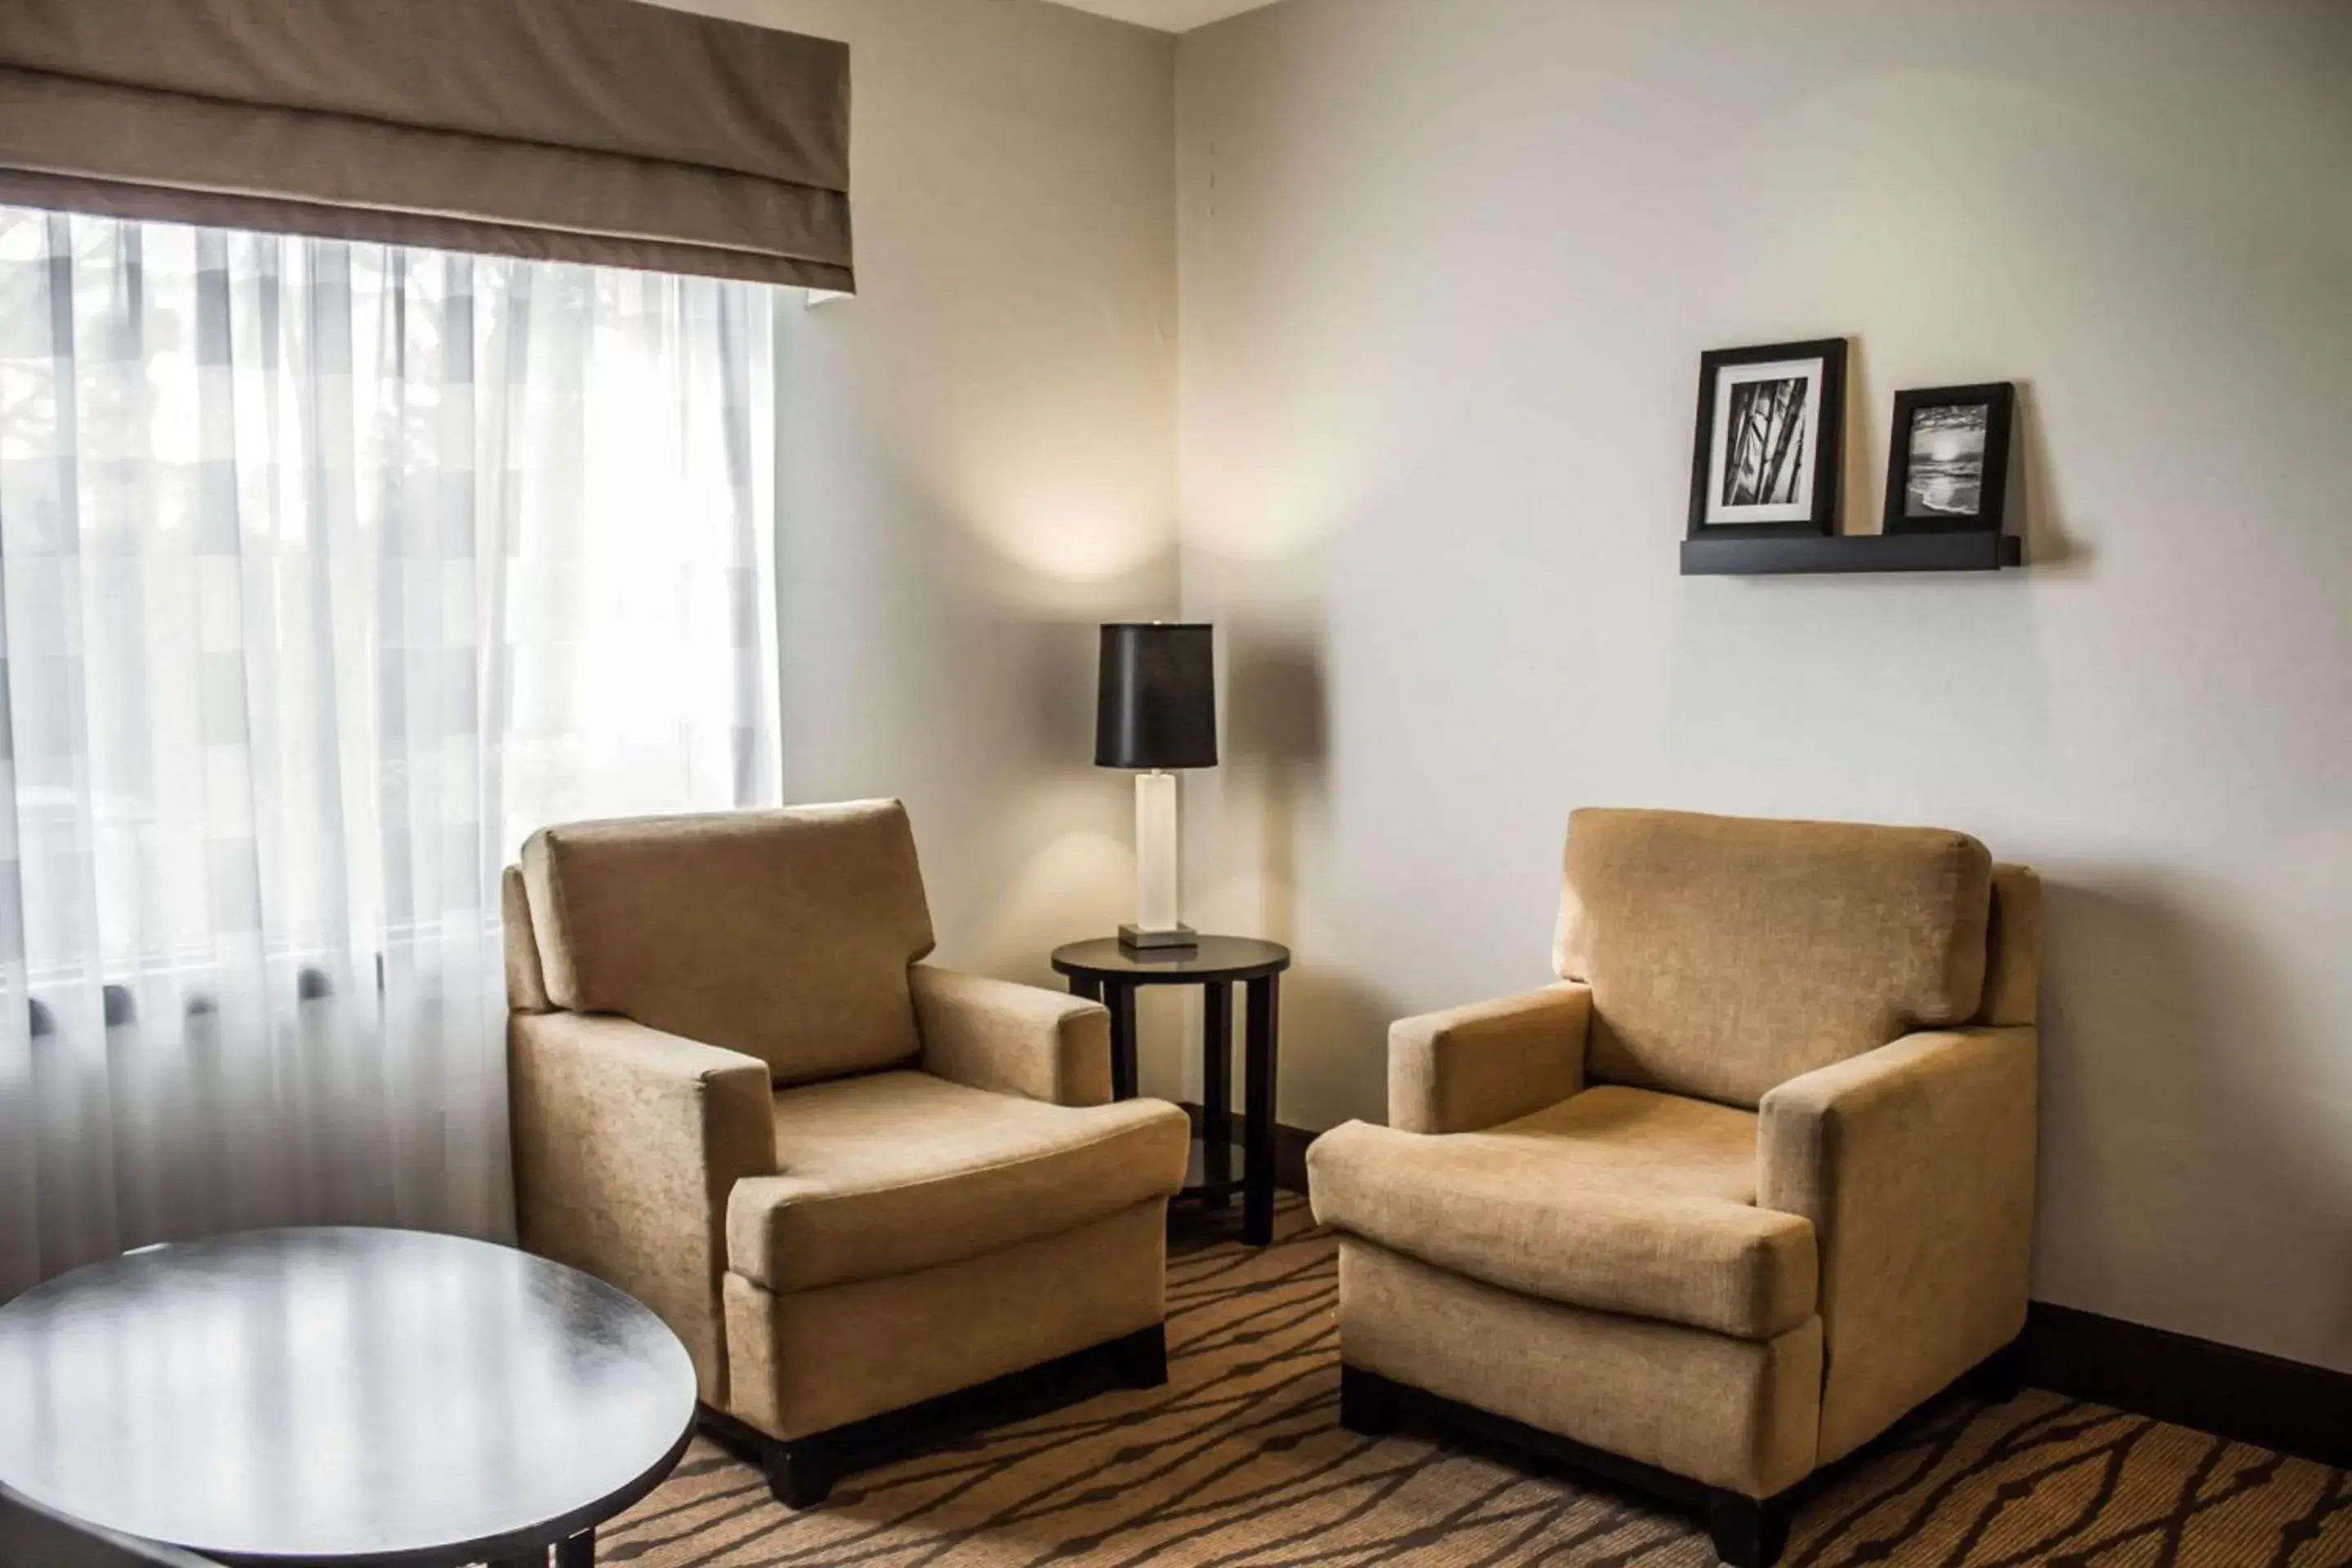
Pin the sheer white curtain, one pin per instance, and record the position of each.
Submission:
(326, 572)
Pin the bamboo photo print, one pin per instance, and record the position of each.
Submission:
(1767, 451)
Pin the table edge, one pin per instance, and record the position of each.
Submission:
(492, 1548)
(1145, 976)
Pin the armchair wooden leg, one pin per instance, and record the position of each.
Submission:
(801, 1475)
(1750, 1532)
(1368, 1401)
(1141, 1360)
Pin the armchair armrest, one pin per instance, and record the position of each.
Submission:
(1915, 1161)
(627, 1143)
(1474, 1067)
(1012, 1039)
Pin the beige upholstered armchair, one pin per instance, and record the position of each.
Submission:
(1754, 1180)
(851, 1182)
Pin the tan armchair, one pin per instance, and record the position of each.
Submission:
(1752, 1182)
(853, 1183)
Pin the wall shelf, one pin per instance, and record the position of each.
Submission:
(1780, 556)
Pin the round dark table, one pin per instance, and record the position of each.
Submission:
(341, 1396)
(1106, 970)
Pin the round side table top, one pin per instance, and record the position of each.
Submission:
(1214, 958)
(339, 1395)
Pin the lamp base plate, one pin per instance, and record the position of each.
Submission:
(1143, 940)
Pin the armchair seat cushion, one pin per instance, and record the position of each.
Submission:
(896, 1171)
(1617, 1200)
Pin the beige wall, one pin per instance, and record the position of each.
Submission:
(977, 453)
(1446, 271)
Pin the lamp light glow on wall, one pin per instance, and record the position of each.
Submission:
(1156, 710)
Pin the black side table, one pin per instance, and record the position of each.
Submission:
(1105, 971)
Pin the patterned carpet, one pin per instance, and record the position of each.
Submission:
(1240, 1460)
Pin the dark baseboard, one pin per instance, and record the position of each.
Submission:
(1290, 1149)
(2264, 1400)
(1290, 1158)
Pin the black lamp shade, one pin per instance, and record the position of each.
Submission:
(1156, 701)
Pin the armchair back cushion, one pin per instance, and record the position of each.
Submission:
(782, 934)
(1728, 955)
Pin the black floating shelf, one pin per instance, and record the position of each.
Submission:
(1780, 556)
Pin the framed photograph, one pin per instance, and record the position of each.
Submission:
(1947, 459)
(1770, 423)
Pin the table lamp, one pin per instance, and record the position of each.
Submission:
(1156, 708)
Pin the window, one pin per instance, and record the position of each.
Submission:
(328, 571)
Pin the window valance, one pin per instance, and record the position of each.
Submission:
(605, 132)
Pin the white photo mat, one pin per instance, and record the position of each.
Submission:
(1800, 508)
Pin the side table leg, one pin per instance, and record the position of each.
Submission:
(1120, 999)
(1216, 1091)
(1257, 1188)
(579, 1552)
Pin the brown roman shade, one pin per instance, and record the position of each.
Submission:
(605, 132)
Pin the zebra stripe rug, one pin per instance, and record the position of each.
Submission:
(1240, 1460)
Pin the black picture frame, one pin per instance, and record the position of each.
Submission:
(1814, 510)
(1986, 472)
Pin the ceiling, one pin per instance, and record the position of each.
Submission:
(1167, 16)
